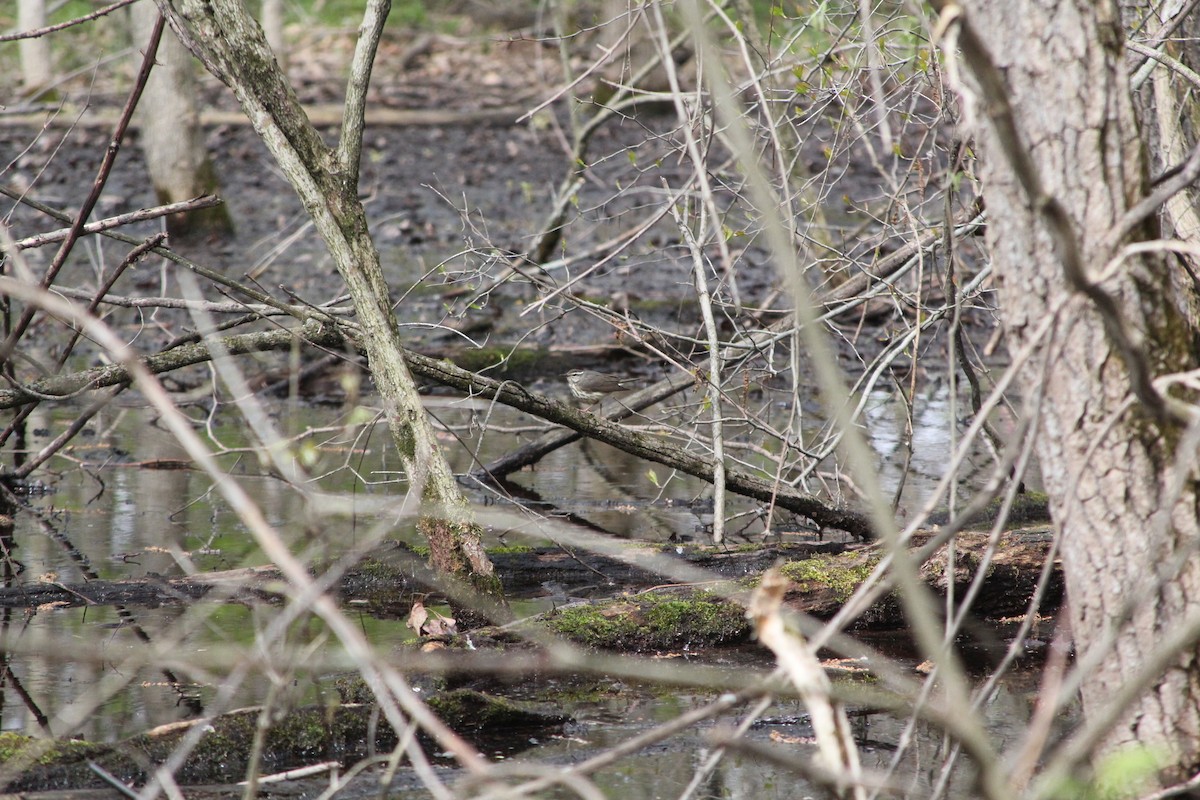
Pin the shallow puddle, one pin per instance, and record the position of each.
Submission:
(124, 503)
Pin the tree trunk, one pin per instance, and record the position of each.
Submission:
(1056, 182)
(232, 46)
(36, 68)
(1169, 114)
(172, 138)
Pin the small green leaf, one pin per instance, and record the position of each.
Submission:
(653, 477)
(360, 415)
(308, 454)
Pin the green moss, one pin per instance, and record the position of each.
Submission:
(831, 572)
(11, 744)
(41, 751)
(569, 691)
(654, 622)
(488, 585)
(591, 626)
(380, 570)
(509, 549)
(222, 745)
(352, 688)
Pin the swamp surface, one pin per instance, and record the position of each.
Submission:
(448, 203)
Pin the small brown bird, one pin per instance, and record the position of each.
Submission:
(590, 386)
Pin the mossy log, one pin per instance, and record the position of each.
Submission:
(820, 585)
(824, 575)
(387, 582)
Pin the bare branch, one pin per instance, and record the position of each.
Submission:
(349, 152)
(42, 239)
(12, 37)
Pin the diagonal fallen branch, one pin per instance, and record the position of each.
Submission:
(67, 386)
(326, 336)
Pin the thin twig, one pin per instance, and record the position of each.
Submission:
(106, 165)
(42, 239)
(36, 32)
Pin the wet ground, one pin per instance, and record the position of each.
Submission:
(449, 205)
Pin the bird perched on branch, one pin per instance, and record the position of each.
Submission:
(590, 386)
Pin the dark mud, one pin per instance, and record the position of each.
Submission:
(451, 205)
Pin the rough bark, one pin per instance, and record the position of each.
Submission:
(1108, 446)
(172, 138)
(232, 46)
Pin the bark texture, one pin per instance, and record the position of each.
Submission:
(1128, 521)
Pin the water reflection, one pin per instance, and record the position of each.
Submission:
(126, 505)
(913, 459)
(667, 767)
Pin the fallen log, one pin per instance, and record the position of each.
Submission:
(823, 575)
(820, 583)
